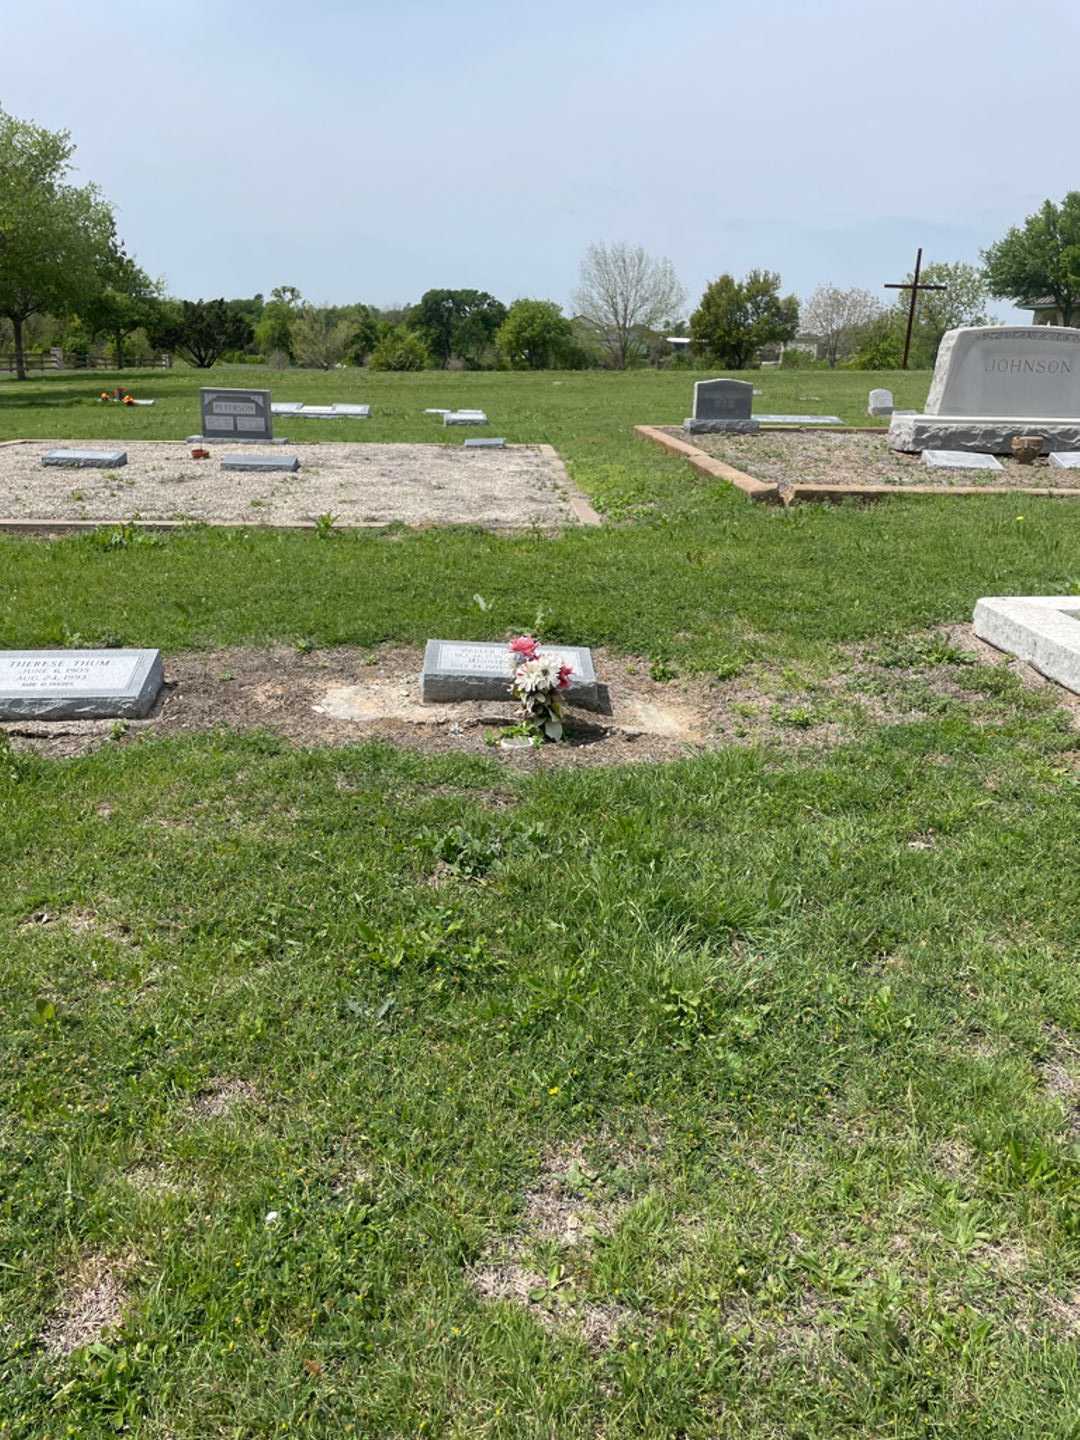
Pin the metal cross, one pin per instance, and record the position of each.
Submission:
(916, 289)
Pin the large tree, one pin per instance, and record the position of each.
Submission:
(535, 335)
(624, 292)
(57, 241)
(457, 322)
(1041, 260)
(735, 318)
(319, 339)
(202, 331)
(836, 316)
(128, 301)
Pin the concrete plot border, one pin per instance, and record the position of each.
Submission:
(770, 493)
(1043, 630)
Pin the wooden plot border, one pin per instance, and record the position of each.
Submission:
(768, 492)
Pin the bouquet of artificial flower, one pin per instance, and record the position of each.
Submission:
(538, 681)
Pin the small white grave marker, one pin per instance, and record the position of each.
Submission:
(1065, 460)
(1043, 630)
(959, 460)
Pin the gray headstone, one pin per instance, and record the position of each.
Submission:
(1065, 459)
(465, 417)
(86, 459)
(468, 670)
(78, 684)
(260, 462)
(236, 414)
(722, 400)
(959, 460)
(495, 443)
(1007, 370)
(880, 403)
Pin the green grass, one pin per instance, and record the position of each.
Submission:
(813, 1019)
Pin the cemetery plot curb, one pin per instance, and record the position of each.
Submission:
(771, 494)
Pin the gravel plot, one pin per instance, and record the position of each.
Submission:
(360, 484)
(801, 458)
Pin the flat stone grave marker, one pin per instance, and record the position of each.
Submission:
(436, 411)
(465, 417)
(959, 460)
(78, 684)
(800, 419)
(1065, 459)
(358, 412)
(260, 462)
(1043, 630)
(479, 670)
(496, 442)
(286, 407)
(86, 459)
(721, 405)
(236, 414)
(880, 403)
(333, 412)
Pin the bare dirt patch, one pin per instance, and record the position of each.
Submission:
(221, 1096)
(92, 1303)
(569, 1207)
(343, 696)
(80, 921)
(823, 458)
(359, 484)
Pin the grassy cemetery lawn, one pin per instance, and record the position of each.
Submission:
(351, 1090)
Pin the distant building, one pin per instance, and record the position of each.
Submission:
(1043, 312)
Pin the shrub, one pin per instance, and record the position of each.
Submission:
(400, 349)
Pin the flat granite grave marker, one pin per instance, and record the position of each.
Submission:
(959, 460)
(479, 670)
(800, 419)
(85, 459)
(1065, 460)
(236, 414)
(496, 442)
(465, 417)
(721, 405)
(260, 462)
(880, 403)
(1043, 630)
(78, 684)
(994, 382)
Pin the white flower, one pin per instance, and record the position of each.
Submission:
(539, 674)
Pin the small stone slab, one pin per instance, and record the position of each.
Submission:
(800, 419)
(86, 459)
(465, 417)
(720, 427)
(232, 440)
(1061, 459)
(959, 460)
(357, 412)
(436, 411)
(286, 407)
(78, 684)
(143, 402)
(1043, 630)
(478, 670)
(476, 443)
(260, 462)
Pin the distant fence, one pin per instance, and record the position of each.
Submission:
(69, 360)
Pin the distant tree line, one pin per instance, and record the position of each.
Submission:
(67, 281)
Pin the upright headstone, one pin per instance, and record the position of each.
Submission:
(880, 403)
(993, 383)
(721, 405)
(479, 670)
(236, 414)
(78, 684)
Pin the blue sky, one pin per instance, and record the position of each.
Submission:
(370, 151)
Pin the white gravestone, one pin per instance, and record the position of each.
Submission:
(464, 670)
(465, 417)
(78, 684)
(994, 382)
(1043, 630)
(959, 460)
(1065, 460)
(880, 403)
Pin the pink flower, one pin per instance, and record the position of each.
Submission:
(565, 671)
(525, 646)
